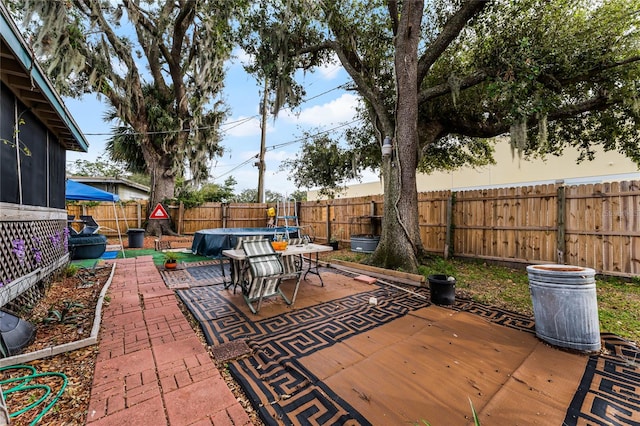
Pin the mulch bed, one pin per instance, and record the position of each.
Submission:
(64, 314)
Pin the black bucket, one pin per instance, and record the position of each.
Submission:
(443, 289)
(136, 238)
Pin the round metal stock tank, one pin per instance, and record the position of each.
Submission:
(565, 306)
(364, 243)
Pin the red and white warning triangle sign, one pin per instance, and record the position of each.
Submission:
(159, 213)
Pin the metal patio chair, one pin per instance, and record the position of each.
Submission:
(293, 264)
(70, 219)
(266, 272)
(239, 273)
(90, 225)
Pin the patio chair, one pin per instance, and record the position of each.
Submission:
(266, 273)
(72, 231)
(90, 225)
(239, 274)
(293, 264)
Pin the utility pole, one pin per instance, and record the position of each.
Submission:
(263, 139)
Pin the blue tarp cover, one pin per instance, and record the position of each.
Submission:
(80, 191)
(211, 242)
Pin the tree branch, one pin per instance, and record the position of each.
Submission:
(373, 96)
(92, 9)
(595, 71)
(327, 45)
(392, 7)
(182, 23)
(455, 124)
(597, 103)
(449, 32)
(152, 49)
(442, 89)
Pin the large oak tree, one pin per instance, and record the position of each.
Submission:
(437, 76)
(160, 66)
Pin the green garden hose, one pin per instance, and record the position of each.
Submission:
(24, 385)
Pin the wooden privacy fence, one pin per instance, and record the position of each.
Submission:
(595, 225)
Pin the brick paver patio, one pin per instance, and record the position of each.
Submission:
(152, 369)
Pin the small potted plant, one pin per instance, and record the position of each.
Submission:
(170, 260)
(333, 241)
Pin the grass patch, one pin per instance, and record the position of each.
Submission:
(158, 257)
(499, 286)
(619, 307)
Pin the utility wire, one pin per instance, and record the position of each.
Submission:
(333, 129)
(280, 145)
(233, 124)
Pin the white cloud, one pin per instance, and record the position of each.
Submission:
(239, 56)
(340, 110)
(330, 70)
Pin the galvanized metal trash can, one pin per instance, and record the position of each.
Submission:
(565, 306)
(364, 243)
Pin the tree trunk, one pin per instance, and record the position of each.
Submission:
(162, 188)
(400, 241)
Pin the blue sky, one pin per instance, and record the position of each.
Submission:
(326, 109)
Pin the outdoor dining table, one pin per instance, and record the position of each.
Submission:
(291, 250)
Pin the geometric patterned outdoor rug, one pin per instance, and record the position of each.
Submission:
(195, 274)
(609, 393)
(283, 391)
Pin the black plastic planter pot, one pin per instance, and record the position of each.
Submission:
(15, 334)
(443, 289)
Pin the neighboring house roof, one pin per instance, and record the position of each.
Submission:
(81, 192)
(111, 181)
(26, 79)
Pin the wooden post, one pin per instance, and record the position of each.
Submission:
(139, 215)
(223, 212)
(560, 235)
(180, 218)
(449, 230)
(328, 223)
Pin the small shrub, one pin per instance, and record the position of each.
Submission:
(71, 270)
(65, 315)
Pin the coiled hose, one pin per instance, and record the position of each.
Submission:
(23, 384)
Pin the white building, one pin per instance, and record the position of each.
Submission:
(514, 171)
